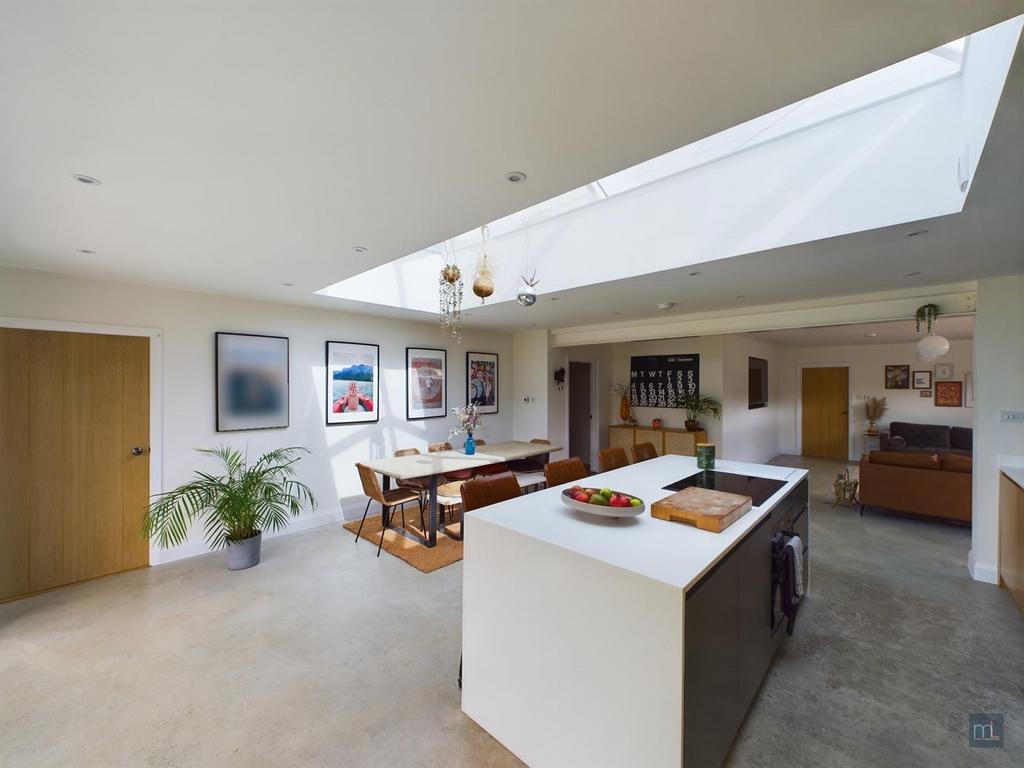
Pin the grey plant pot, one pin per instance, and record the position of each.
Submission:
(245, 553)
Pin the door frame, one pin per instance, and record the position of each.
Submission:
(800, 405)
(595, 434)
(156, 434)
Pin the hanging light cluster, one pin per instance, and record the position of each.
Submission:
(450, 289)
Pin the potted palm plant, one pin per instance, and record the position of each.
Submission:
(697, 406)
(236, 506)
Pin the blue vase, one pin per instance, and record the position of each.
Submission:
(470, 444)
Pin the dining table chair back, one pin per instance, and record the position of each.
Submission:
(612, 458)
(407, 452)
(565, 471)
(388, 500)
(484, 491)
(371, 485)
(644, 452)
(438, 447)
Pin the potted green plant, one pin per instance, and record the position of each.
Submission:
(236, 506)
(697, 406)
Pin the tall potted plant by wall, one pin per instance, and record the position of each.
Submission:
(236, 506)
(697, 406)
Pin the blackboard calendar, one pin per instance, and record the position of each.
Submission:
(658, 381)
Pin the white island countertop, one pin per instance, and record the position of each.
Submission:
(672, 553)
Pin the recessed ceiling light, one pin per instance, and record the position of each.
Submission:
(360, 249)
(742, 296)
(916, 232)
(87, 251)
(515, 177)
(694, 274)
(555, 298)
(870, 335)
(616, 313)
(912, 274)
(81, 177)
(288, 285)
(666, 305)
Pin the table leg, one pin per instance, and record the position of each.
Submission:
(387, 482)
(432, 528)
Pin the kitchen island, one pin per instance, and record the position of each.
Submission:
(610, 642)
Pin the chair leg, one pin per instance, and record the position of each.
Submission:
(402, 508)
(384, 528)
(862, 510)
(368, 502)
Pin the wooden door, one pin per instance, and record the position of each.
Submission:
(580, 411)
(825, 412)
(73, 406)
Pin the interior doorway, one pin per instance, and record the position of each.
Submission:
(825, 412)
(74, 457)
(581, 411)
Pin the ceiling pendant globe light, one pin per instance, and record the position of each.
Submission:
(932, 346)
(483, 283)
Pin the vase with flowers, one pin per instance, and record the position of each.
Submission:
(467, 420)
(874, 407)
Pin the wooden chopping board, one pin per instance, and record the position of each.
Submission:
(708, 510)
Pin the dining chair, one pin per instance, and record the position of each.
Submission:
(388, 500)
(482, 492)
(459, 474)
(644, 452)
(419, 485)
(565, 471)
(493, 469)
(612, 458)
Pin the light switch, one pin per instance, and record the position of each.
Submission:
(1016, 417)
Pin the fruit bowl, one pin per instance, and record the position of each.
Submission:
(610, 504)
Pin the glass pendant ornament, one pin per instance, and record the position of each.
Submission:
(450, 290)
(483, 283)
(527, 294)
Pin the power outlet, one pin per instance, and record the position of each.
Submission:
(1017, 417)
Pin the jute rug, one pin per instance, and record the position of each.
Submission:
(422, 558)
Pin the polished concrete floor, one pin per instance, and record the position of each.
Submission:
(325, 655)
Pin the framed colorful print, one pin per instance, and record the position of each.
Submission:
(922, 380)
(944, 371)
(926, 393)
(949, 394)
(968, 390)
(897, 377)
(251, 381)
(353, 383)
(426, 383)
(482, 381)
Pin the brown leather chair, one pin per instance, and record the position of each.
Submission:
(612, 458)
(644, 452)
(565, 471)
(461, 474)
(388, 500)
(917, 482)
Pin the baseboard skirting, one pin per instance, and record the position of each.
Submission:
(986, 572)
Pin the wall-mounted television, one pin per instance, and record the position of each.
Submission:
(757, 382)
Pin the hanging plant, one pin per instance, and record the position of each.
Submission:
(560, 377)
(926, 314)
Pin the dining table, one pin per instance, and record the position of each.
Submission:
(435, 466)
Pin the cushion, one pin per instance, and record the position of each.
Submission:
(954, 462)
(961, 438)
(921, 435)
(897, 441)
(916, 460)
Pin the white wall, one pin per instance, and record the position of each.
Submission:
(867, 378)
(600, 358)
(999, 385)
(188, 322)
(750, 434)
(530, 384)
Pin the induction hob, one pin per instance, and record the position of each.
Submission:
(759, 489)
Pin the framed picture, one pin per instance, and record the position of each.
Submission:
(944, 371)
(482, 381)
(949, 394)
(352, 371)
(922, 380)
(897, 377)
(251, 381)
(968, 390)
(426, 383)
(926, 393)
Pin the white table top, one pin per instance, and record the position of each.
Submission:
(672, 553)
(426, 464)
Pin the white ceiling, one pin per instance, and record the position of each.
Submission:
(956, 328)
(245, 145)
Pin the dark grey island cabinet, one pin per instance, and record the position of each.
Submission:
(733, 627)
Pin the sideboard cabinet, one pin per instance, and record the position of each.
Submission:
(665, 439)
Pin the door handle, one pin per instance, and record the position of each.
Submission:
(136, 451)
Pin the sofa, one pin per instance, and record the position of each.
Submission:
(919, 481)
(932, 438)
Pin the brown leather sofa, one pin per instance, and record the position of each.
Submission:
(931, 484)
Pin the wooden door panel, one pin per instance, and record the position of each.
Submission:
(14, 476)
(135, 433)
(825, 403)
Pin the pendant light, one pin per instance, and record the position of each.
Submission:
(450, 290)
(932, 346)
(483, 283)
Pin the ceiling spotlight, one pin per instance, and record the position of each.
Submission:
(870, 335)
(916, 232)
(911, 274)
(87, 251)
(555, 298)
(742, 296)
(616, 313)
(666, 305)
(288, 285)
(360, 249)
(81, 177)
(694, 274)
(515, 177)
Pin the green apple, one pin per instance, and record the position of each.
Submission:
(607, 493)
(599, 499)
(635, 503)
